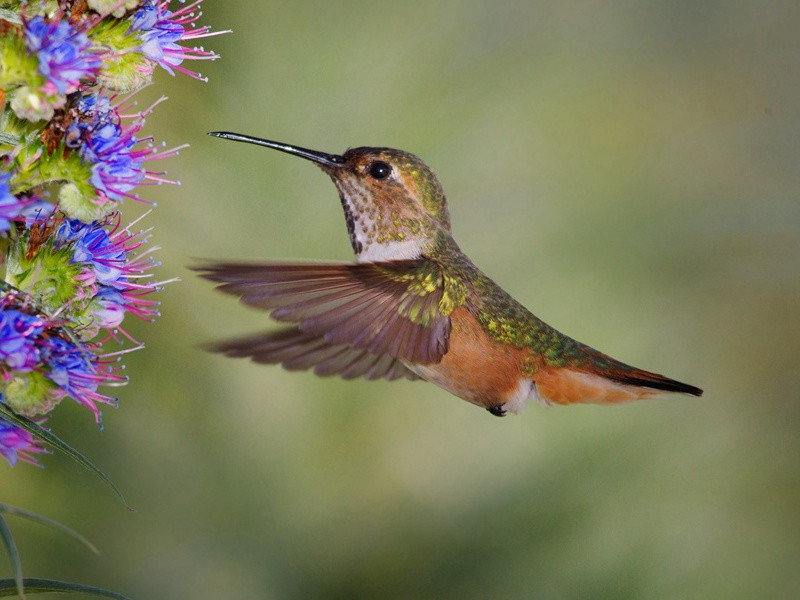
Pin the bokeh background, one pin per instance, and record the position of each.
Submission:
(629, 170)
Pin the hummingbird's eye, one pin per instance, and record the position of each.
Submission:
(380, 170)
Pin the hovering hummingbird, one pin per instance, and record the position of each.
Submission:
(414, 305)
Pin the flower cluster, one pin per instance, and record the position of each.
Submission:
(41, 364)
(70, 154)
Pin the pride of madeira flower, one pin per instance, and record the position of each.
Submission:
(70, 155)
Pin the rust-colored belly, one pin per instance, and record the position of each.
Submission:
(477, 367)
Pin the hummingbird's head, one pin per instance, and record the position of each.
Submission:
(393, 202)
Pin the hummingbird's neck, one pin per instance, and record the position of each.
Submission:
(376, 236)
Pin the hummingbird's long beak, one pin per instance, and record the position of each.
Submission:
(321, 158)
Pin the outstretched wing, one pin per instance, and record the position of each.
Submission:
(390, 308)
(296, 350)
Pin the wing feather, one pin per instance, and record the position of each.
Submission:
(297, 350)
(387, 308)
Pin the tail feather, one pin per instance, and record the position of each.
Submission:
(652, 380)
(612, 369)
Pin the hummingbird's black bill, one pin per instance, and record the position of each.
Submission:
(322, 158)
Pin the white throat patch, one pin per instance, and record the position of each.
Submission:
(376, 252)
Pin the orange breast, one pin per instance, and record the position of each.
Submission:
(476, 367)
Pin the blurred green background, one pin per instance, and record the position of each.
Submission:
(628, 170)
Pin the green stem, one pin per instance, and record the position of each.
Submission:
(13, 556)
(32, 516)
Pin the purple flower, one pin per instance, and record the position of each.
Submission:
(91, 244)
(111, 308)
(18, 333)
(160, 31)
(94, 111)
(146, 16)
(117, 167)
(17, 444)
(101, 140)
(78, 373)
(116, 154)
(63, 53)
(134, 283)
(10, 206)
(34, 346)
(117, 271)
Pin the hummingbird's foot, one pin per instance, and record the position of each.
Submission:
(497, 411)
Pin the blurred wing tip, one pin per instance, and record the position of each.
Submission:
(206, 268)
(217, 347)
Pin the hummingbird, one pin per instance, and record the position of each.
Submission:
(413, 305)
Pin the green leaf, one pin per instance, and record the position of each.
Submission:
(36, 585)
(46, 436)
(13, 556)
(32, 516)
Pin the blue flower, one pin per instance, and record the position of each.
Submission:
(110, 309)
(64, 53)
(41, 363)
(92, 244)
(69, 366)
(160, 31)
(18, 333)
(78, 373)
(95, 111)
(117, 167)
(17, 444)
(10, 205)
(145, 17)
(116, 269)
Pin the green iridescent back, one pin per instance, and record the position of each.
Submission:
(502, 317)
